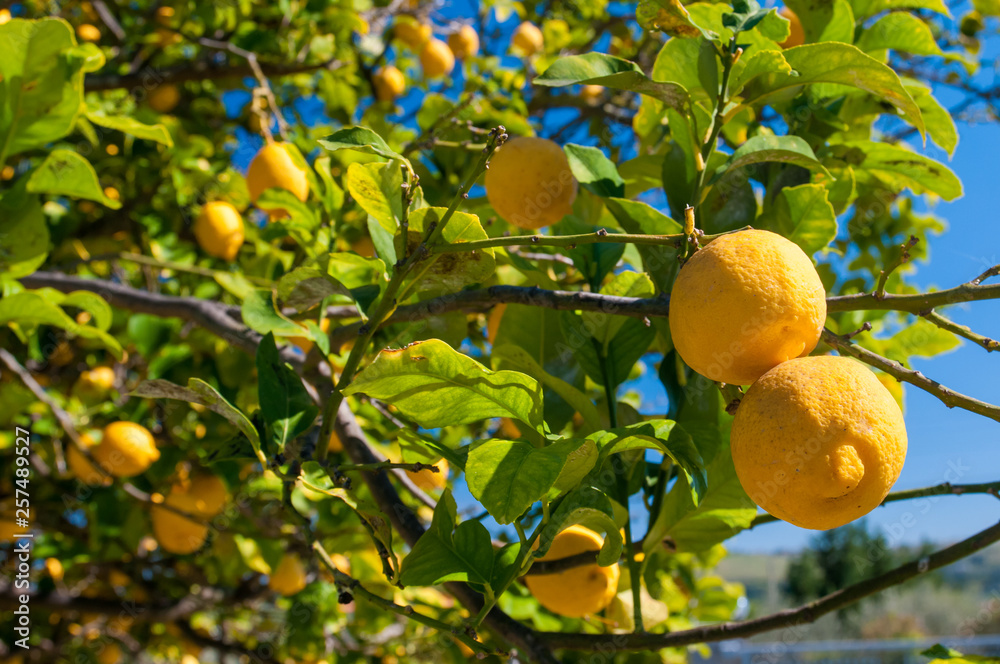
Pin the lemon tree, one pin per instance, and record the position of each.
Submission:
(327, 322)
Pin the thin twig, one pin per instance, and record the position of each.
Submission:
(904, 257)
(961, 330)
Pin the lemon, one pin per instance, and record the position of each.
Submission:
(88, 33)
(818, 441)
(273, 166)
(389, 83)
(579, 591)
(527, 39)
(529, 182)
(493, 322)
(55, 569)
(428, 480)
(219, 230)
(164, 98)
(335, 445)
(436, 59)
(797, 35)
(412, 33)
(210, 494)
(81, 467)
(745, 303)
(95, 383)
(364, 247)
(126, 449)
(4, 16)
(289, 577)
(464, 43)
(592, 94)
(109, 653)
(175, 533)
(164, 15)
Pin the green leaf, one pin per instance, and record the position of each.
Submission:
(757, 64)
(987, 7)
(435, 385)
(66, 173)
(745, 16)
(668, 16)
(261, 315)
(33, 308)
(899, 31)
(604, 325)
(507, 477)
(920, 339)
(132, 127)
(661, 435)
(24, 237)
(361, 139)
(521, 360)
(829, 21)
(594, 171)
(940, 125)
(899, 168)
(305, 287)
(377, 189)
(866, 8)
(98, 308)
(659, 261)
(804, 215)
(454, 270)
(843, 64)
(41, 82)
(614, 364)
(591, 508)
(298, 215)
(760, 149)
(611, 72)
(724, 510)
(449, 553)
(287, 408)
(200, 392)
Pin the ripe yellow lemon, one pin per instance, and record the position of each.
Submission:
(164, 15)
(81, 467)
(592, 94)
(126, 449)
(797, 35)
(464, 43)
(95, 383)
(4, 16)
(412, 33)
(109, 653)
(389, 83)
(289, 577)
(818, 441)
(273, 166)
(527, 39)
(175, 533)
(745, 303)
(436, 59)
(164, 98)
(88, 33)
(493, 322)
(428, 480)
(579, 591)
(210, 494)
(219, 230)
(529, 182)
(364, 247)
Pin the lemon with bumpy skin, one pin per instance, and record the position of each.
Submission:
(464, 42)
(436, 59)
(274, 166)
(389, 83)
(289, 577)
(818, 441)
(126, 449)
(797, 35)
(81, 468)
(175, 533)
(745, 303)
(164, 98)
(578, 591)
(527, 39)
(219, 230)
(428, 480)
(529, 182)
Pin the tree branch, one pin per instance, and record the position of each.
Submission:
(802, 615)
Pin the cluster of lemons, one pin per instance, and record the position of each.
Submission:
(817, 441)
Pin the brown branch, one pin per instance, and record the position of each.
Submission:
(802, 615)
(946, 395)
(945, 489)
(201, 71)
(962, 331)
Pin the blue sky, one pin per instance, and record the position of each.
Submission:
(944, 445)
